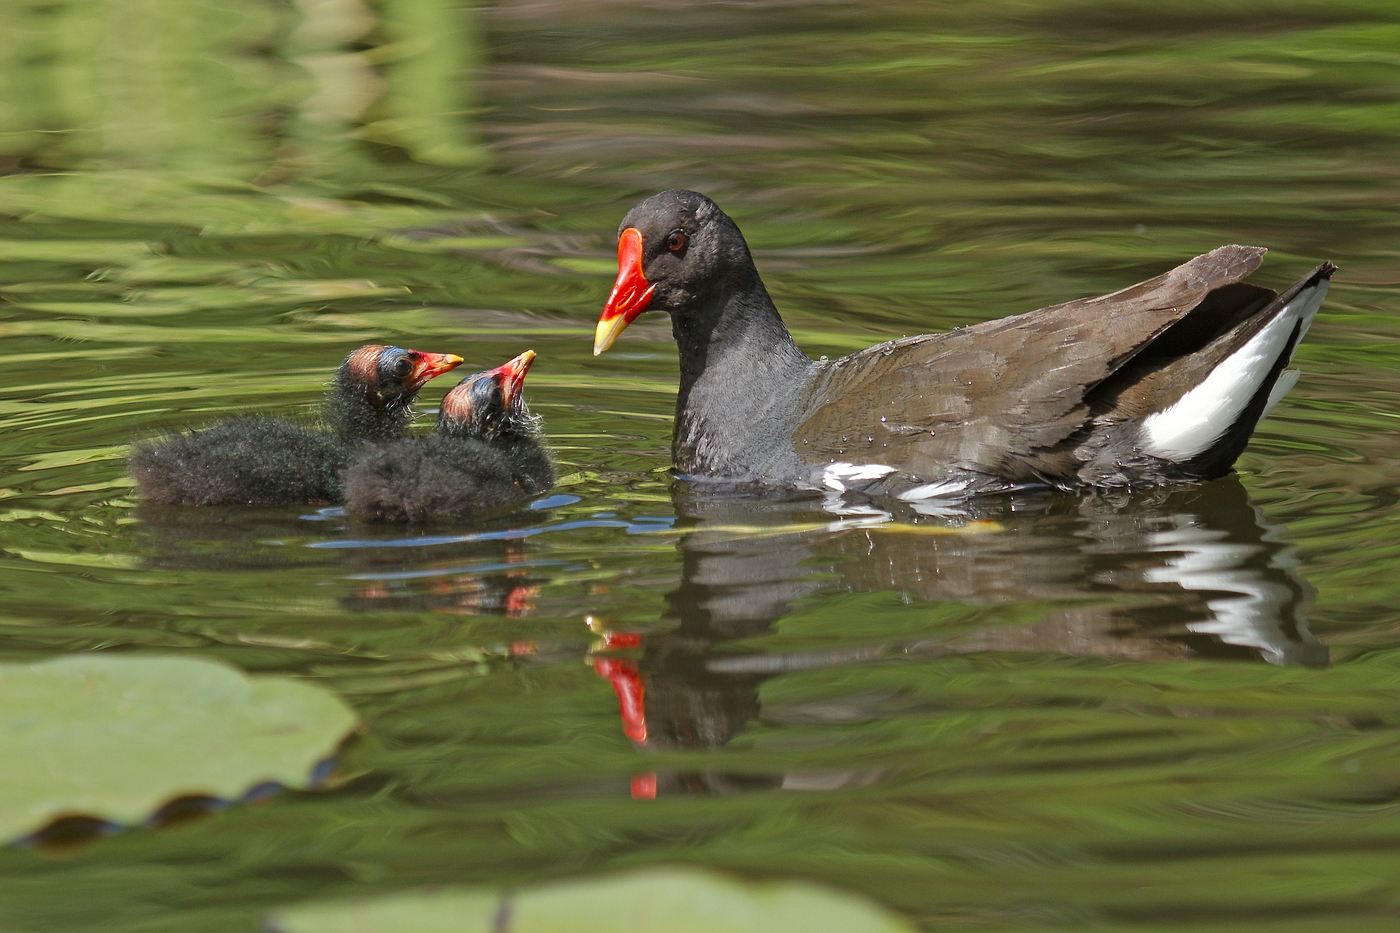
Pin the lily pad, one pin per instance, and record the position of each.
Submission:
(114, 737)
(660, 900)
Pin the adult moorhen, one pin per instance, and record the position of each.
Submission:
(1161, 382)
(486, 454)
(266, 461)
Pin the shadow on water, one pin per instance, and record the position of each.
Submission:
(1162, 575)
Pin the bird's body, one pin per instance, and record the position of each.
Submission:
(486, 455)
(242, 461)
(440, 478)
(267, 461)
(1161, 382)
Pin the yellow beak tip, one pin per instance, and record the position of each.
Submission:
(607, 333)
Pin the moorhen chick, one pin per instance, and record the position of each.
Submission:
(486, 454)
(1161, 382)
(254, 460)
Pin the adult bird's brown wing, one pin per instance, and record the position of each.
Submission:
(998, 397)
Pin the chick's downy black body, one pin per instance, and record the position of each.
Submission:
(487, 454)
(266, 461)
(443, 478)
(242, 461)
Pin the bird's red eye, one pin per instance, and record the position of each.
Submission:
(676, 241)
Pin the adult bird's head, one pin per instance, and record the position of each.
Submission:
(374, 387)
(490, 404)
(675, 251)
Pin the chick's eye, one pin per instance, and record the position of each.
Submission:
(402, 367)
(676, 241)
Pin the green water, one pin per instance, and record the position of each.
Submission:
(1167, 711)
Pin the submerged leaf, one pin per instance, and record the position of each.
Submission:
(664, 900)
(114, 738)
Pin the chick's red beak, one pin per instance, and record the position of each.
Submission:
(428, 365)
(631, 293)
(512, 376)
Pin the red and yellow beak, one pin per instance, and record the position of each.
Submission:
(631, 293)
(512, 376)
(428, 365)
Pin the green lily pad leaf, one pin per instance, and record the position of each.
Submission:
(114, 737)
(661, 900)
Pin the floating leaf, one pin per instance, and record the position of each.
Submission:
(114, 737)
(664, 900)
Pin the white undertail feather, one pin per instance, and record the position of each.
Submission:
(1202, 416)
(1286, 381)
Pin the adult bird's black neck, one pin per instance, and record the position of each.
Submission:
(742, 376)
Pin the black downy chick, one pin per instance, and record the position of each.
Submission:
(486, 454)
(254, 460)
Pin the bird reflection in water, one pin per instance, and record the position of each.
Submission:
(504, 583)
(493, 575)
(1158, 575)
(1189, 572)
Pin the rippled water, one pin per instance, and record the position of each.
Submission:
(1170, 710)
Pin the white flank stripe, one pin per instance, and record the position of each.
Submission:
(933, 490)
(838, 475)
(1202, 415)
